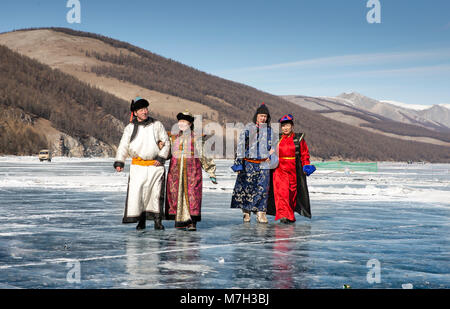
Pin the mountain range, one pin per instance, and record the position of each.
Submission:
(70, 90)
(436, 117)
(427, 124)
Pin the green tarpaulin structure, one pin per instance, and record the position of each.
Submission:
(342, 165)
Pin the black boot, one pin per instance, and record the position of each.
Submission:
(141, 223)
(286, 221)
(158, 224)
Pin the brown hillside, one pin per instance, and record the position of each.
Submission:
(216, 98)
(68, 54)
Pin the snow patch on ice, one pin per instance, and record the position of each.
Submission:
(376, 193)
(15, 234)
(186, 267)
(392, 181)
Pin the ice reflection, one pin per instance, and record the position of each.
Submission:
(142, 266)
(398, 215)
(180, 260)
(289, 268)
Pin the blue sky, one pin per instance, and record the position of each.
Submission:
(314, 47)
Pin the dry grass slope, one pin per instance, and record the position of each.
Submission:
(107, 63)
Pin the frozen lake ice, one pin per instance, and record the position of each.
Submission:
(60, 227)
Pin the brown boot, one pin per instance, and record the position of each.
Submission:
(261, 217)
(246, 217)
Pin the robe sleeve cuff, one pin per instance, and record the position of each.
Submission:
(238, 165)
(160, 160)
(237, 168)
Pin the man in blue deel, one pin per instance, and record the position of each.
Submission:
(255, 158)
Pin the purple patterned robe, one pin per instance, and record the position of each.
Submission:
(184, 179)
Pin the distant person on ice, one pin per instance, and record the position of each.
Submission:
(254, 158)
(184, 179)
(288, 190)
(145, 196)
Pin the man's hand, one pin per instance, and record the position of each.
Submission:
(157, 163)
(161, 144)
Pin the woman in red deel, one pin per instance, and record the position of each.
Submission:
(289, 189)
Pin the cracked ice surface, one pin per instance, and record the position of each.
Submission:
(69, 211)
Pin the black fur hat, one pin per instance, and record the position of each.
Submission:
(186, 115)
(138, 103)
(262, 110)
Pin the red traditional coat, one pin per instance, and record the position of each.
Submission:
(284, 179)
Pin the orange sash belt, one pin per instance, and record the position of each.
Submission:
(288, 158)
(142, 162)
(255, 160)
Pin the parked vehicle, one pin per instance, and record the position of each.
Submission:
(45, 155)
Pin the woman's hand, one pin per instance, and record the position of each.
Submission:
(309, 169)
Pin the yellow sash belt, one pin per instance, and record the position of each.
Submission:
(288, 158)
(142, 162)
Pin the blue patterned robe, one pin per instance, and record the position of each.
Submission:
(252, 183)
